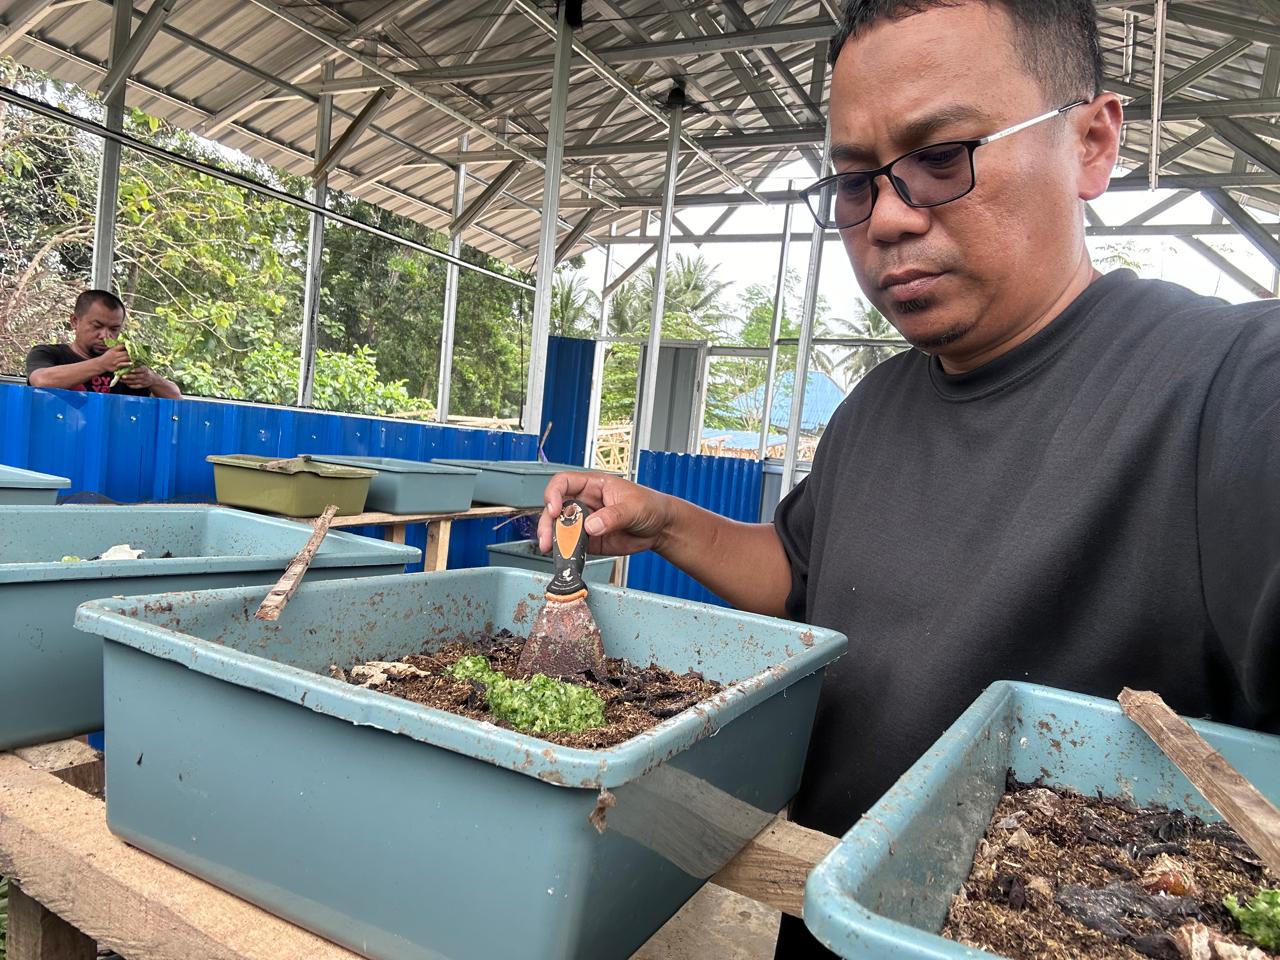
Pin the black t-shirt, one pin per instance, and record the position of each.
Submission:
(57, 354)
(1097, 508)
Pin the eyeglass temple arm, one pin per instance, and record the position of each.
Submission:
(1017, 127)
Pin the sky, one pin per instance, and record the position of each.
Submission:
(743, 264)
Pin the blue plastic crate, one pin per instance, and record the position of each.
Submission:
(883, 893)
(409, 833)
(51, 675)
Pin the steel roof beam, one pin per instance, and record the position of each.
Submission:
(735, 15)
(119, 72)
(574, 235)
(1201, 68)
(482, 202)
(801, 136)
(777, 10)
(24, 15)
(1229, 268)
(1168, 203)
(1201, 109)
(354, 131)
(1261, 152)
(1257, 234)
(324, 39)
(531, 10)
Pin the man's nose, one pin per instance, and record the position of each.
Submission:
(892, 218)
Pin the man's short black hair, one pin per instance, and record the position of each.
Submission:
(104, 298)
(1057, 39)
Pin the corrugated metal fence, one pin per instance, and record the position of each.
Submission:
(134, 449)
(725, 485)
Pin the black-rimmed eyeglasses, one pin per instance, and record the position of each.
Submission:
(926, 177)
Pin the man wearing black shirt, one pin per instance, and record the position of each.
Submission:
(1072, 480)
(87, 363)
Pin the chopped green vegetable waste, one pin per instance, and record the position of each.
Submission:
(1259, 919)
(139, 355)
(71, 558)
(540, 704)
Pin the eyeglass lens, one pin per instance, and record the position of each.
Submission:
(926, 177)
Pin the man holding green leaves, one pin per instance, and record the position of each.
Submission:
(97, 360)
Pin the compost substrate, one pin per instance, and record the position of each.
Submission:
(636, 698)
(1059, 875)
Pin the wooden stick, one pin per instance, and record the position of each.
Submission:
(773, 867)
(287, 585)
(1248, 812)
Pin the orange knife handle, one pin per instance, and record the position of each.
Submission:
(569, 551)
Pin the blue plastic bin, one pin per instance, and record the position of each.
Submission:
(28, 488)
(51, 675)
(408, 833)
(885, 890)
(526, 555)
(514, 483)
(411, 486)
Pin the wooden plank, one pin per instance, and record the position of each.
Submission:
(1244, 808)
(396, 532)
(384, 519)
(772, 868)
(71, 761)
(36, 934)
(54, 842)
(437, 556)
(287, 585)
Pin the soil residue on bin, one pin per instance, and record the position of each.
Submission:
(1060, 876)
(636, 698)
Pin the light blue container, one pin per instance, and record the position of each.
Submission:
(411, 486)
(884, 891)
(51, 675)
(515, 483)
(525, 555)
(409, 833)
(28, 488)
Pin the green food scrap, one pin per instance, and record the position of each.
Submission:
(1259, 919)
(139, 355)
(71, 558)
(540, 704)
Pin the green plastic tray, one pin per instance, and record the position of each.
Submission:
(28, 488)
(295, 487)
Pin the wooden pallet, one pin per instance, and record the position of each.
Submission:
(75, 886)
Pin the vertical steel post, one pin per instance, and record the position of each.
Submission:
(531, 420)
(775, 330)
(451, 292)
(315, 250)
(104, 224)
(806, 337)
(649, 382)
(1157, 92)
(597, 364)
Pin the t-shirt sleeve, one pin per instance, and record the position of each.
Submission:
(1239, 516)
(793, 520)
(44, 355)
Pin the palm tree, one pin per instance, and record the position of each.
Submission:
(574, 306)
(871, 324)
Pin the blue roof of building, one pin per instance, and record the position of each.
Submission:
(821, 397)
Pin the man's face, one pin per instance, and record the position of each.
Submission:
(99, 324)
(959, 279)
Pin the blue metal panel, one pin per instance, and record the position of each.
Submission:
(725, 485)
(567, 400)
(137, 449)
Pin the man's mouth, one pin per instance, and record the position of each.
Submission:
(905, 285)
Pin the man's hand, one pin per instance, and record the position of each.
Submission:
(742, 562)
(113, 359)
(626, 518)
(143, 378)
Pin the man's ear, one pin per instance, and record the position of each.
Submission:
(1098, 129)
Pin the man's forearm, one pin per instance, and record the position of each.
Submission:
(66, 375)
(742, 562)
(166, 389)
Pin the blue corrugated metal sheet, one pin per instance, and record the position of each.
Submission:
(134, 449)
(566, 401)
(725, 485)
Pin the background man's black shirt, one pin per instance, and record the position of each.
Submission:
(57, 354)
(1100, 507)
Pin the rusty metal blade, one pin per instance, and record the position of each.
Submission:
(564, 642)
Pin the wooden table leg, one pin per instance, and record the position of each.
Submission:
(395, 532)
(615, 578)
(437, 557)
(37, 934)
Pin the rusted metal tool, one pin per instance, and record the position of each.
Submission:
(565, 641)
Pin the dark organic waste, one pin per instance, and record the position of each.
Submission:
(473, 678)
(1061, 876)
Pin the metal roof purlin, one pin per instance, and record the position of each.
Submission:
(320, 36)
(535, 14)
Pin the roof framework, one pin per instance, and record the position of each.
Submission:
(411, 77)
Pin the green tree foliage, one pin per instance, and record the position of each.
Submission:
(212, 275)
